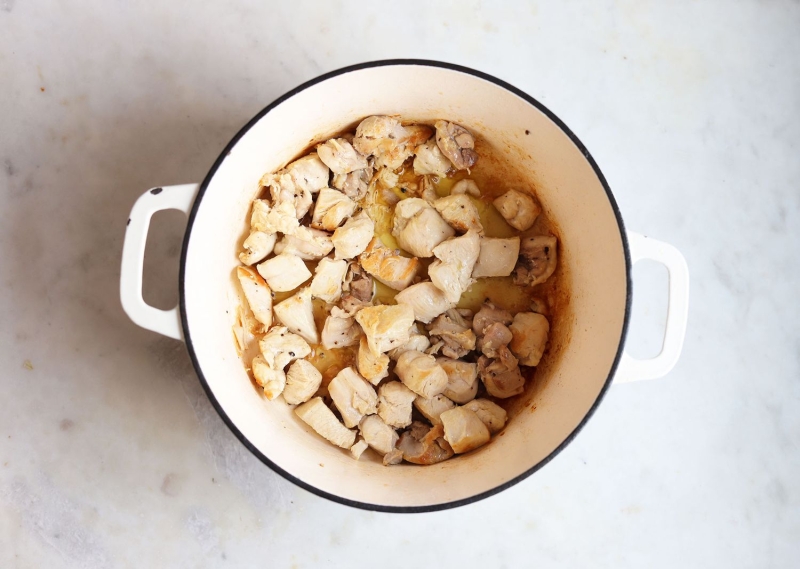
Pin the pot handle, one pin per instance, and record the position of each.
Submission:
(166, 322)
(632, 369)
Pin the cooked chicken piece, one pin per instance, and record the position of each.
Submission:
(358, 448)
(430, 160)
(395, 404)
(353, 397)
(373, 368)
(358, 283)
(462, 380)
(530, 332)
(492, 415)
(309, 173)
(257, 293)
(424, 445)
(354, 184)
(282, 189)
(394, 456)
(350, 305)
(425, 299)
(458, 340)
(416, 341)
(308, 244)
(340, 330)
(327, 281)
(421, 374)
(317, 416)
(352, 238)
(284, 272)
(331, 209)
(340, 156)
(494, 336)
(257, 247)
(489, 314)
(297, 314)
(379, 436)
(435, 348)
(432, 408)
(459, 211)
(519, 209)
(457, 144)
(451, 272)
(280, 347)
(416, 134)
(387, 178)
(418, 228)
(464, 430)
(386, 139)
(537, 260)
(302, 382)
(270, 379)
(388, 266)
(497, 257)
(501, 376)
(268, 219)
(468, 187)
(386, 327)
(427, 190)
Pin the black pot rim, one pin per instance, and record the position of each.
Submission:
(227, 419)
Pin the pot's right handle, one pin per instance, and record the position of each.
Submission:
(632, 369)
(166, 322)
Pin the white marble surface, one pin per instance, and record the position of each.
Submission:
(110, 454)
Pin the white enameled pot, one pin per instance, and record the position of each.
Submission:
(596, 255)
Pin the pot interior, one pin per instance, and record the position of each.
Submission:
(587, 332)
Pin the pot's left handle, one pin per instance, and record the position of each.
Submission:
(166, 322)
(633, 369)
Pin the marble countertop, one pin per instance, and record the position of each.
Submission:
(110, 453)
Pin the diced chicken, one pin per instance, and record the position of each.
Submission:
(422, 444)
(327, 281)
(491, 414)
(388, 141)
(358, 448)
(331, 209)
(457, 337)
(537, 260)
(468, 187)
(257, 293)
(340, 156)
(459, 211)
(489, 314)
(530, 332)
(379, 436)
(416, 341)
(457, 144)
(501, 376)
(302, 382)
(432, 408)
(354, 184)
(430, 160)
(451, 272)
(317, 416)
(519, 209)
(421, 374)
(394, 456)
(280, 347)
(494, 336)
(372, 367)
(283, 189)
(268, 219)
(309, 173)
(284, 272)
(462, 380)
(358, 284)
(418, 227)
(388, 266)
(305, 243)
(435, 348)
(387, 178)
(416, 134)
(497, 257)
(297, 314)
(272, 380)
(395, 404)
(464, 430)
(352, 238)
(386, 327)
(353, 396)
(425, 299)
(257, 247)
(340, 330)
